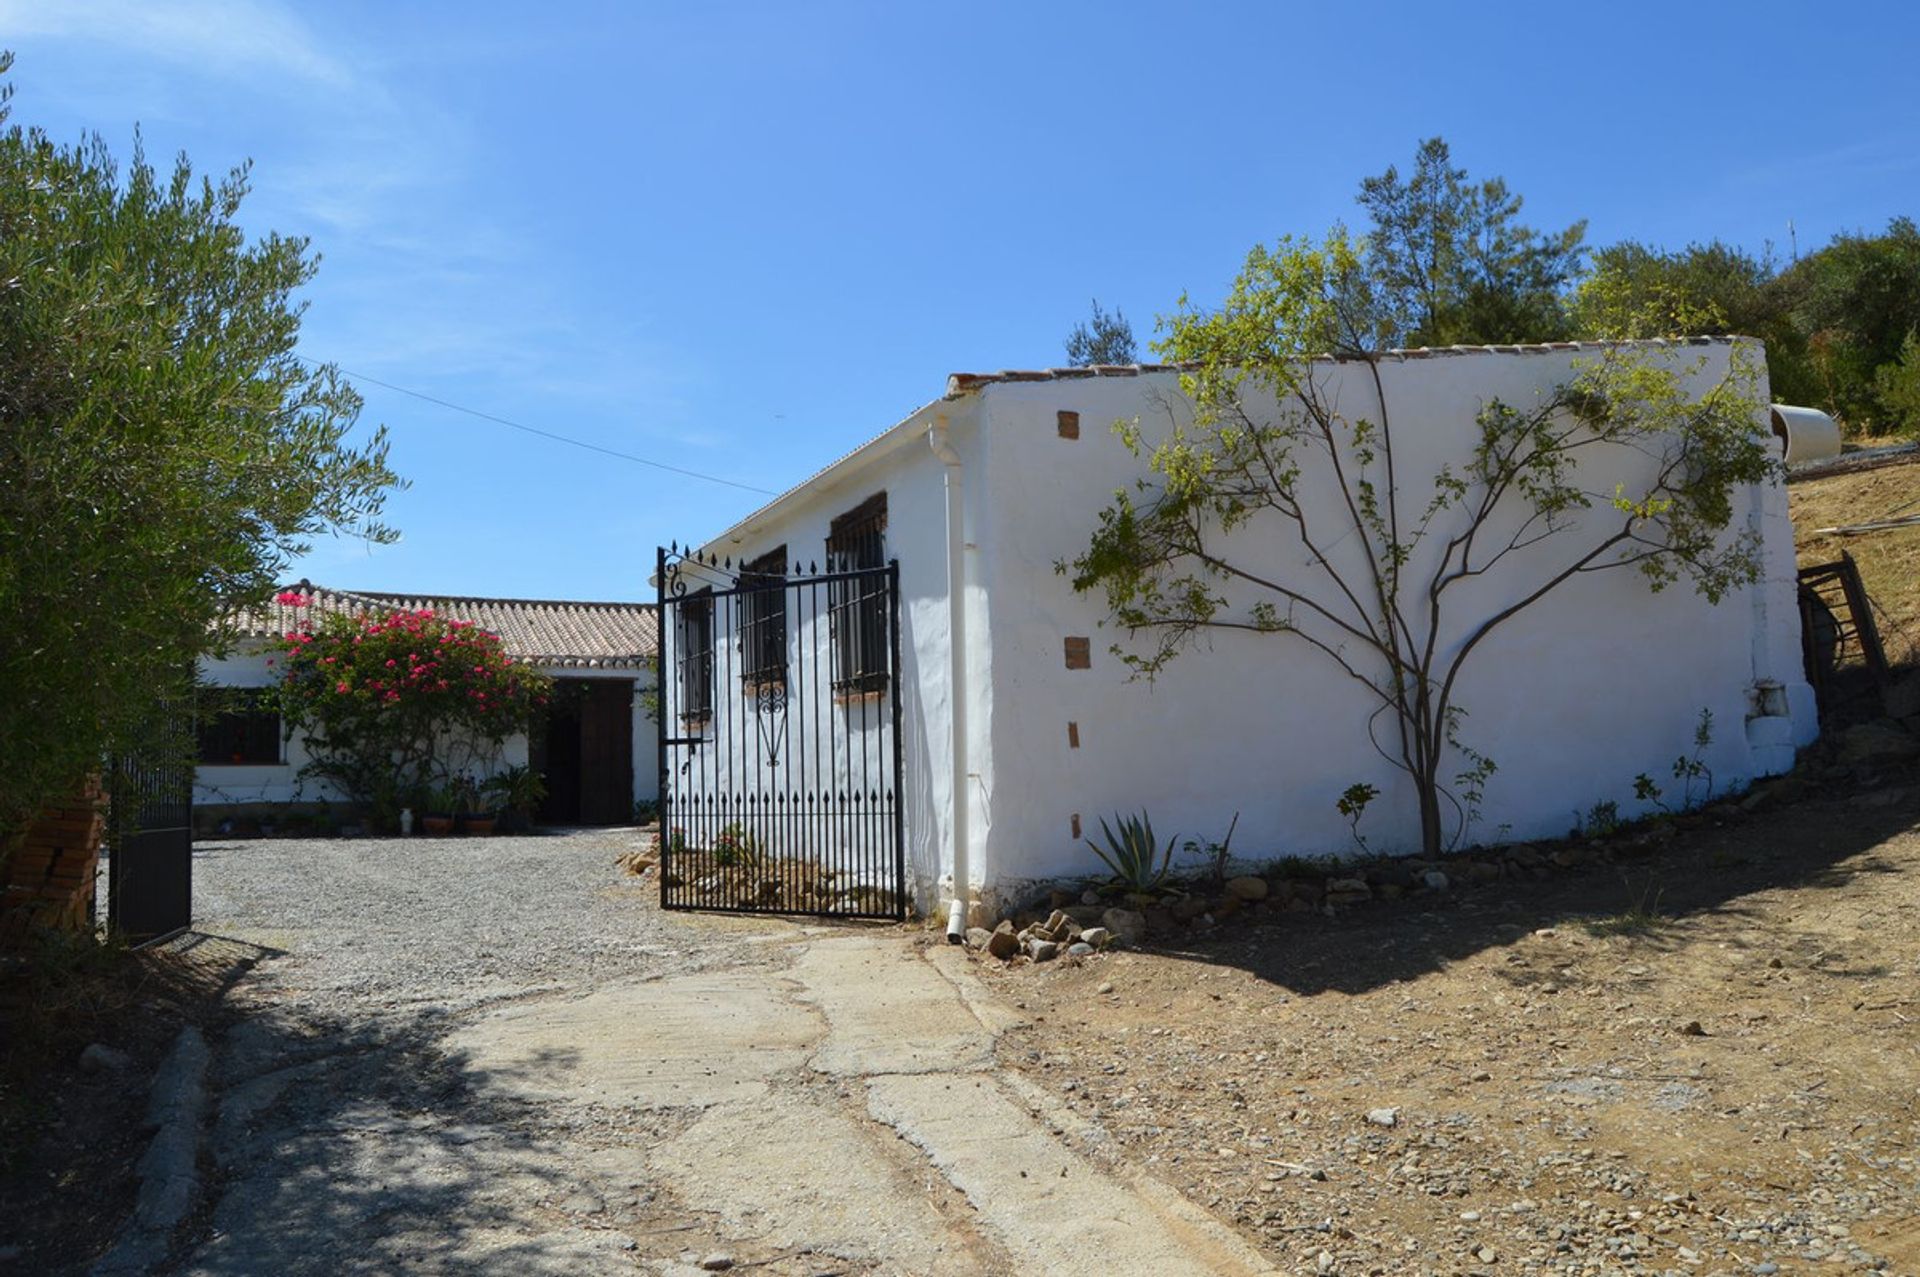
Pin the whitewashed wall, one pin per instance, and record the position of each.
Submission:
(904, 467)
(251, 665)
(1601, 681)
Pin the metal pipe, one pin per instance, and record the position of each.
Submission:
(957, 655)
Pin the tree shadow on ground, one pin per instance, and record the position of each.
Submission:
(1822, 844)
(361, 1145)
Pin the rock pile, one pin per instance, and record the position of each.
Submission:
(1072, 932)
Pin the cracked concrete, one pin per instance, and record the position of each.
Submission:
(777, 1159)
(804, 1099)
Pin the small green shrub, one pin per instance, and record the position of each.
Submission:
(1601, 820)
(1131, 854)
(735, 846)
(1353, 805)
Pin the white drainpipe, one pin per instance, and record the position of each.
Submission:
(957, 643)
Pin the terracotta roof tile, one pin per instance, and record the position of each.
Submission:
(561, 633)
(961, 383)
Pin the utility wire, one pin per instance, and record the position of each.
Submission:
(544, 434)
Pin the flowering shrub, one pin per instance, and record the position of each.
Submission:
(394, 705)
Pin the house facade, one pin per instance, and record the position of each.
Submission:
(595, 747)
(1040, 730)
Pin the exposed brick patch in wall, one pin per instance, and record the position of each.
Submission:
(1069, 424)
(1076, 824)
(48, 880)
(1073, 736)
(1079, 653)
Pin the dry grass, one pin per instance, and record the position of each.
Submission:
(1889, 560)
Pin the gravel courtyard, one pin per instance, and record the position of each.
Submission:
(417, 923)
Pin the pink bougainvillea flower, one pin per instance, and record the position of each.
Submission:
(293, 598)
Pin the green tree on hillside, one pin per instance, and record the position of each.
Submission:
(1637, 290)
(1453, 263)
(1103, 339)
(163, 452)
(1855, 302)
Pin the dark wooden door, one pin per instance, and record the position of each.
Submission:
(606, 752)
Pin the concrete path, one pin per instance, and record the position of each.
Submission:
(504, 1058)
(849, 1107)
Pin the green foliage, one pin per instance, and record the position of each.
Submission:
(1131, 854)
(1857, 301)
(165, 452)
(1353, 805)
(1897, 386)
(733, 845)
(1634, 290)
(1601, 820)
(1217, 853)
(1688, 769)
(1103, 339)
(1453, 264)
(517, 790)
(395, 703)
(1268, 444)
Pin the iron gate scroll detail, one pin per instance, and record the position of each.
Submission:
(780, 752)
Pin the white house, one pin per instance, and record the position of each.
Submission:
(597, 747)
(1007, 692)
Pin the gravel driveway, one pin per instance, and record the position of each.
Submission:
(348, 1136)
(388, 923)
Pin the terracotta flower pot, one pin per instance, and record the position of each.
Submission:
(436, 826)
(479, 826)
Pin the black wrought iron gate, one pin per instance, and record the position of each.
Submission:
(150, 837)
(780, 753)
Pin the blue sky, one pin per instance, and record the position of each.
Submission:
(740, 238)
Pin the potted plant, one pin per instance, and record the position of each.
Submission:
(438, 821)
(516, 792)
(474, 817)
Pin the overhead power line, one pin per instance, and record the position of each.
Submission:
(545, 434)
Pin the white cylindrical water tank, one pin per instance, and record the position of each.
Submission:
(1805, 434)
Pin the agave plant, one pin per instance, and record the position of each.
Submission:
(1131, 854)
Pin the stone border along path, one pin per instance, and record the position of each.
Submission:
(701, 1093)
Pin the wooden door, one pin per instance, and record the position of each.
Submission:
(606, 752)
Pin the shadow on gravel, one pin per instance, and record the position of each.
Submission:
(1818, 844)
(359, 1146)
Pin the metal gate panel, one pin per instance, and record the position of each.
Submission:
(150, 840)
(780, 751)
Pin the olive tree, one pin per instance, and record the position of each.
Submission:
(1390, 560)
(163, 451)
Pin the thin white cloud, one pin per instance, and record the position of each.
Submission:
(237, 38)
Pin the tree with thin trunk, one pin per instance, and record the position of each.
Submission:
(1390, 560)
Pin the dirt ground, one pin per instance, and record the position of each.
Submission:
(1704, 1061)
(70, 1134)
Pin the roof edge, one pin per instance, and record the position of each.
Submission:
(960, 384)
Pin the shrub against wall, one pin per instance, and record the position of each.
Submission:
(394, 705)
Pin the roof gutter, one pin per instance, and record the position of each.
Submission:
(957, 675)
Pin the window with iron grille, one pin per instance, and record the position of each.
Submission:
(857, 606)
(763, 619)
(238, 727)
(693, 655)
